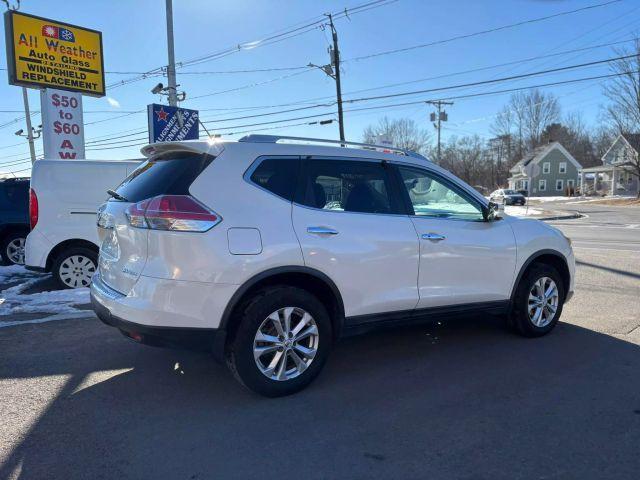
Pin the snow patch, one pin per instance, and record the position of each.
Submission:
(13, 300)
(519, 211)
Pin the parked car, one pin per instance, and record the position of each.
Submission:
(14, 219)
(63, 200)
(233, 247)
(508, 197)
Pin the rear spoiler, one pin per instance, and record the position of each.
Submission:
(211, 148)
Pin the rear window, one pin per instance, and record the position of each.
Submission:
(14, 196)
(167, 174)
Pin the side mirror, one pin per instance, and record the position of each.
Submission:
(492, 212)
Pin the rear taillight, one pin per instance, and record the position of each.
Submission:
(33, 208)
(180, 213)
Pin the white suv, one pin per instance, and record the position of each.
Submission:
(267, 250)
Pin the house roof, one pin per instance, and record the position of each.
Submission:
(631, 139)
(542, 151)
(526, 160)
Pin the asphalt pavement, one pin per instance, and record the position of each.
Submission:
(462, 399)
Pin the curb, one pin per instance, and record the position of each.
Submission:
(568, 216)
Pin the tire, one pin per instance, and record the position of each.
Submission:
(254, 317)
(12, 248)
(520, 318)
(74, 267)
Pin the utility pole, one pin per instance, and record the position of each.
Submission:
(172, 88)
(440, 117)
(335, 61)
(32, 148)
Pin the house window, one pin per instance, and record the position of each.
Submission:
(563, 167)
(570, 183)
(542, 185)
(525, 185)
(559, 185)
(546, 167)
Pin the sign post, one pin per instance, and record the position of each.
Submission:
(62, 124)
(165, 125)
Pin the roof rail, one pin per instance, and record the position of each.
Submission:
(275, 138)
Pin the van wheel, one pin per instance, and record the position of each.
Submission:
(12, 247)
(74, 267)
(282, 342)
(538, 301)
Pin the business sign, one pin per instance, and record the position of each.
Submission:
(62, 125)
(45, 53)
(168, 124)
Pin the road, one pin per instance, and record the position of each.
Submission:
(464, 399)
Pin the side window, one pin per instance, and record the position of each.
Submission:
(278, 175)
(430, 197)
(546, 167)
(349, 186)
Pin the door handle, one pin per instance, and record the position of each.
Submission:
(322, 231)
(434, 237)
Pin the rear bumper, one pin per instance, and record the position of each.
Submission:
(154, 319)
(37, 248)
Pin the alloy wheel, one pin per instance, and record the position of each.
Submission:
(76, 271)
(543, 302)
(286, 343)
(15, 251)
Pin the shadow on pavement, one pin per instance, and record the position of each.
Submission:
(463, 400)
(617, 271)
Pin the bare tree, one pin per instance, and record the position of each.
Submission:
(465, 157)
(573, 134)
(403, 132)
(539, 110)
(623, 91)
(525, 117)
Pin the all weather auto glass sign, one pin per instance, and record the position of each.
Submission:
(45, 53)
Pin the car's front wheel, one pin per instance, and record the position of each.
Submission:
(538, 301)
(282, 342)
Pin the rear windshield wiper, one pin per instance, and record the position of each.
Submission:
(116, 195)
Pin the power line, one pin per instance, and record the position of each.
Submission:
(357, 100)
(466, 96)
(453, 97)
(278, 36)
(482, 82)
(495, 80)
(481, 32)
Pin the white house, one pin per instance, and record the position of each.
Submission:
(615, 176)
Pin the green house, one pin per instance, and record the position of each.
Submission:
(547, 171)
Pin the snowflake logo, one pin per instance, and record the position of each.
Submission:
(67, 35)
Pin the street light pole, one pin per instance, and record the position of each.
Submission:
(335, 60)
(172, 88)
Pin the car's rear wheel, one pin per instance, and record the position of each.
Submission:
(13, 248)
(538, 301)
(75, 267)
(282, 342)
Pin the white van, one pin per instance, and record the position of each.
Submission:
(63, 200)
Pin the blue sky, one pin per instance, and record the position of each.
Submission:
(135, 40)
